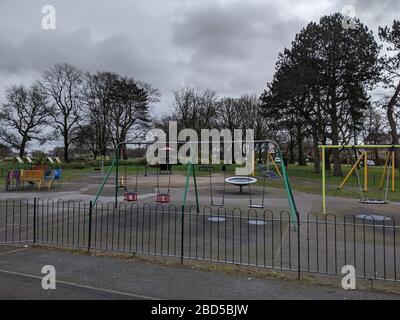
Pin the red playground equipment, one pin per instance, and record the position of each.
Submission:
(130, 196)
(163, 198)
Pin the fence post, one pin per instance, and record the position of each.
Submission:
(298, 248)
(34, 220)
(182, 231)
(90, 225)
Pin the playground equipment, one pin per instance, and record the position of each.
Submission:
(247, 180)
(37, 177)
(129, 195)
(361, 157)
(16, 179)
(30, 162)
(164, 197)
(32, 175)
(20, 163)
(270, 173)
(241, 181)
(191, 173)
(161, 196)
(56, 166)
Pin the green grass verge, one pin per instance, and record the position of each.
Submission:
(302, 178)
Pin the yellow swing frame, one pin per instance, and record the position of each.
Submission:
(391, 155)
(271, 158)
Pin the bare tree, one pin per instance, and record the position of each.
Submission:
(63, 83)
(244, 113)
(195, 108)
(86, 140)
(23, 117)
(97, 100)
(129, 113)
(229, 114)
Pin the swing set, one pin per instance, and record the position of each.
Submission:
(165, 197)
(387, 180)
(131, 196)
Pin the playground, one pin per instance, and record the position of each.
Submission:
(275, 217)
(363, 189)
(27, 174)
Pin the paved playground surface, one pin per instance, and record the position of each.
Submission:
(86, 187)
(82, 276)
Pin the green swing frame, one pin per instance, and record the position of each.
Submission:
(191, 172)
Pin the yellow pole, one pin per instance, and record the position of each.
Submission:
(365, 171)
(385, 170)
(351, 171)
(323, 181)
(276, 167)
(393, 169)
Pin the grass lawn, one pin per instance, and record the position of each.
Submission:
(302, 178)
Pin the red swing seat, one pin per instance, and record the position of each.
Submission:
(163, 197)
(130, 196)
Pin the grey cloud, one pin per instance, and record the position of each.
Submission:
(232, 47)
(229, 46)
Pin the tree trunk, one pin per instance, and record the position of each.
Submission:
(291, 150)
(392, 121)
(66, 151)
(22, 147)
(328, 159)
(124, 155)
(317, 157)
(337, 166)
(302, 161)
(377, 159)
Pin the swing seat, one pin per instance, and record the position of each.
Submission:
(241, 181)
(271, 175)
(163, 198)
(130, 196)
(122, 183)
(221, 205)
(374, 201)
(256, 206)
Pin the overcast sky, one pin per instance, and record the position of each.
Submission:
(227, 45)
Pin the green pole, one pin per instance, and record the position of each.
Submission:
(185, 192)
(195, 188)
(292, 204)
(104, 182)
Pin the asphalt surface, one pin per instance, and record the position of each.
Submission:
(80, 276)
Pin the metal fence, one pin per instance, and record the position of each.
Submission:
(316, 244)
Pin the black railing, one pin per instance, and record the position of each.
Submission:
(317, 244)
